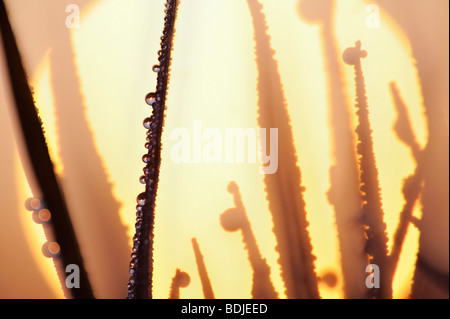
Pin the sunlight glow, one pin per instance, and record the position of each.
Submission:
(213, 79)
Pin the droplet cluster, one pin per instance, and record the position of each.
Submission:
(141, 264)
(41, 215)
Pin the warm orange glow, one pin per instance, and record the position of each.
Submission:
(195, 212)
(213, 79)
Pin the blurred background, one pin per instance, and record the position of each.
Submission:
(90, 80)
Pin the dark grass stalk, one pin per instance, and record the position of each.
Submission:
(372, 211)
(402, 126)
(344, 194)
(235, 219)
(412, 188)
(425, 273)
(412, 185)
(41, 163)
(96, 210)
(427, 278)
(24, 271)
(208, 292)
(427, 30)
(141, 266)
(283, 188)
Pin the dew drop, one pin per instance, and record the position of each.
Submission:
(150, 98)
(147, 123)
(35, 217)
(156, 68)
(143, 179)
(51, 249)
(44, 215)
(141, 199)
(32, 204)
(145, 158)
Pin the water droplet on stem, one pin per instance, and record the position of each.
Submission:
(141, 199)
(150, 98)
